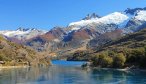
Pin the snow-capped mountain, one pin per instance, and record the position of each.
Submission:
(93, 30)
(137, 18)
(22, 34)
(129, 20)
(102, 24)
(114, 18)
(133, 11)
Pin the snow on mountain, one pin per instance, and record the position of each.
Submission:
(138, 14)
(134, 10)
(83, 22)
(75, 28)
(22, 34)
(13, 33)
(102, 24)
(137, 17)
(129, 20)
(141, 15)
(114, 18)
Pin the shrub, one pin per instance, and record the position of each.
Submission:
(145, 50)
(143, 59)
(95, 60)
(119, 60)
(107, 62)
(136, 55)
(1, 46)
(3, 57)
(102, 60)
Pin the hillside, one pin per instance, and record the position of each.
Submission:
(126, 52)
(12, 54)
(134, 40)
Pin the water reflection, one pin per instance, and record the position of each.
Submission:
(59, 74)
(118, 77)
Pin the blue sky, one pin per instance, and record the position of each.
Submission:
(45, 14)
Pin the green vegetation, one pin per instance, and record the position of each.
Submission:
(102, 60)
(109, 59)
(80, 56)
(120, 58)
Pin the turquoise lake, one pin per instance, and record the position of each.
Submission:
(70, 72)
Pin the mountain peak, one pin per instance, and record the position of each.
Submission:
(26, 29)
(91, 16)
(133, 11)
(22, 29)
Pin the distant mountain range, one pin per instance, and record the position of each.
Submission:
(22, 34)
(91, 31)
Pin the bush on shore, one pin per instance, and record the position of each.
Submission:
(115, 59)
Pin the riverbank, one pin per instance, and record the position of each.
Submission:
(88, 65)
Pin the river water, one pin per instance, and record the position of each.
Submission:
(64, 72)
